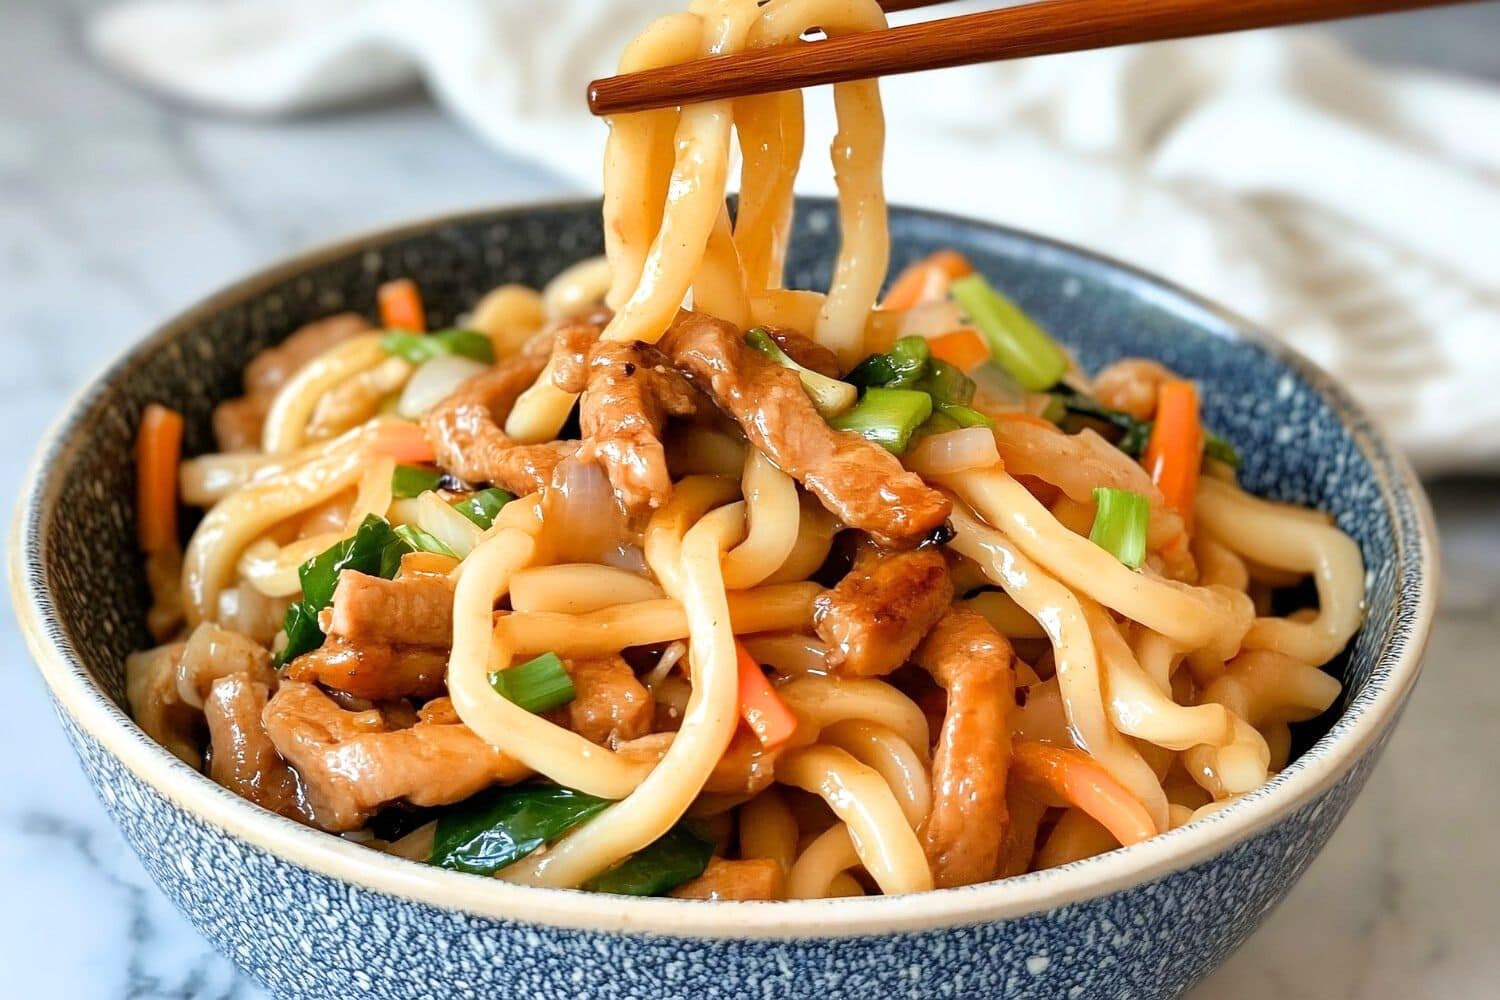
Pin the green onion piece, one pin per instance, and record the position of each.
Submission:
(1016, 342)
(938, 424)
(1220, 449)
(829, 395)
(538, 685)
(417, 347)
(365, 552)
(902, 367)
(887, 416)
(1055, 409)
(946, 384)
(422, 541)
(413, 480)
(1120, 524)
(482, 507)
(499, 827)
(658, 868)
(964, 416)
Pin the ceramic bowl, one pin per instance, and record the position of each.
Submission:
(313, 916)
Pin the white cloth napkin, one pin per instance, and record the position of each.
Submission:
(1354, 212)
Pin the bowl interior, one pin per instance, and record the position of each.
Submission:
(1300, 438)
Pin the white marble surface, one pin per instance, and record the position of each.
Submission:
(115, 212)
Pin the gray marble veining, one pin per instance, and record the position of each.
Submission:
(115, 212)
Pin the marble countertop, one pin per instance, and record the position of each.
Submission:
(115, 212)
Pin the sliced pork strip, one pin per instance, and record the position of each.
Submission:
(752, 878)
(352, 764)
(876, 615)
(238, 422)
(374, 671)
(415, 609)
(966, 828)
(807, 352)
(860, 482)
(467, 435)
(242, 758)
(611, 704)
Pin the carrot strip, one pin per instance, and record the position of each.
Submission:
(963, 349)
(158, 451)
(768, 717)
(1077, 780)
(404, 442)
(927, 279)
(1174, 452)
(401, 306)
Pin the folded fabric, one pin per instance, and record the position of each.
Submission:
(1350, 210)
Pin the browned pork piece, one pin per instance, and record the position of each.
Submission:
(238, 422)
(415, 609)
(629, 393)
(879, 612)
(860, 482)
(752, 878)
(466, 429)
(353, 763)
(611, 705)
(242, 758)
(376, 671)
(746, 768)
(807, 352)
(966, 828)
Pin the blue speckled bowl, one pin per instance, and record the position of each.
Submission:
(311, 915)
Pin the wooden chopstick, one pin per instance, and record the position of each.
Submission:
(1011, 33)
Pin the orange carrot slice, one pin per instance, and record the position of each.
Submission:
(404, 442)
(158, 451)
(401, 306)
(963, 349)
(768, 717)
(1074, 777)
(927, 279)
(1174, 452)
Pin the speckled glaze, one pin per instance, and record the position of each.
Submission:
(312, 916)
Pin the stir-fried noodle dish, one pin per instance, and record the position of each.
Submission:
(670, 580)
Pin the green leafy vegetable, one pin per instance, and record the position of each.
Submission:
(482, 507)
(678, 856)
(964, 416)
(413, 480)
(1133, 433)
(1016, 342)
(417, 347)
(422, 541)
(538, 685)
(366, 551)
(887, 416)
(501, 826)
(1120, 524)
(901, 367)
(829, 395)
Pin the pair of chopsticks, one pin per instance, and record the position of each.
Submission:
(1011, 33)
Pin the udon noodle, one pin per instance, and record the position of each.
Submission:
(666, 578)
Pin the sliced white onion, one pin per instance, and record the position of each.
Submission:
(585, 521)
(931, 319)
(433, 381)
(403, 510)
(954, 451)
(447, 525)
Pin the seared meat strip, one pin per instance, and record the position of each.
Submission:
(352, 763)
(242, 758)
(415, 609)
(752, 878)
(746, 768)
(966, 828)
(860, 482)
(466, 432)
(807, 352)
(879, 612)
(375, 671)
(238, 422)
(611, 704)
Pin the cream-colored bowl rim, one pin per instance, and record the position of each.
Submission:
(1359, 730)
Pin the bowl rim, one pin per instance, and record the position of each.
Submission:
(1360, 728)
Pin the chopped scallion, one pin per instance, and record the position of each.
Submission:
(537, 685)
(902, 367)
(413, 480)
(964, 416)
(482, 507)
(946, 384)
(499, 827)
(422, 541)
(887, 416)
(368, 551)
(829, 395)
(658, 868)
(1016, 342)
(1120, 524)
(417, 348)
